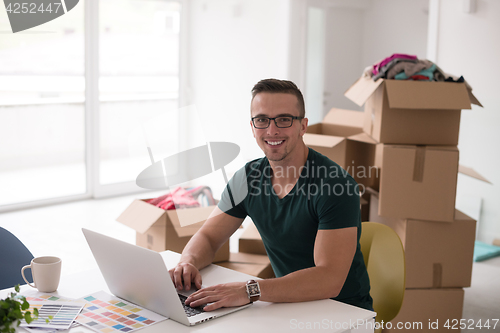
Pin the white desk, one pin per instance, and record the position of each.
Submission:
(323, 315)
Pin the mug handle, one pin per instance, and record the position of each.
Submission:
(22, 273)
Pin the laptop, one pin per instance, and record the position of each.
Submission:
(141, 276)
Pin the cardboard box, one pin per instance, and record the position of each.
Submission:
(417, 182)
(412, 112)
(428, 310)
(340, 137)
(252, 264)
(250, 241)
(161, 230)
(437, 255)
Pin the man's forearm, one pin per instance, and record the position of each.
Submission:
(304, 285)
(198, 251)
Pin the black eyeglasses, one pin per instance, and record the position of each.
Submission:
(281, 122)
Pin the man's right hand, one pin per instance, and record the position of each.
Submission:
(184, 275)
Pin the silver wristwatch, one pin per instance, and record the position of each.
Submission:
(253, 291)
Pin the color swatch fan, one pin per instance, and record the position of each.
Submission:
(106, 313)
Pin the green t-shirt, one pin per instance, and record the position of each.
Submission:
(324, 197)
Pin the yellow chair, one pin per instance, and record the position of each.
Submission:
(385, 261)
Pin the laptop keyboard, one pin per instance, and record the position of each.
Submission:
(189, 310)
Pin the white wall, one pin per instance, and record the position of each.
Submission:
(359, 36)
(395, 26)
(469, 45)
(344, 55)
(231, 46)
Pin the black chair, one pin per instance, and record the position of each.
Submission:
(13, 256)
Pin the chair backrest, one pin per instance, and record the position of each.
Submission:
(13, 256)
(385, 261)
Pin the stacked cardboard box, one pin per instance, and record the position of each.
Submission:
(416, 126)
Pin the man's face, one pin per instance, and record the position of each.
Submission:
(278, 144)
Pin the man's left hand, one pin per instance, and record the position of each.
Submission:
(221, 295)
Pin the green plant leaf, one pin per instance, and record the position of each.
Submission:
(5, 305)
(12, 310)
(16, 313)
(27, 317)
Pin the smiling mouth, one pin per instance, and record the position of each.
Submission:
(275, 143)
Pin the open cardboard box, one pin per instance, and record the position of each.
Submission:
(426, 307)
(437, 255)
(161, 230)
(412, 112)
(340, 137)
(253, 264)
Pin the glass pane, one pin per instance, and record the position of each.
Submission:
(139, 47)
(42, 123)
(133, 126)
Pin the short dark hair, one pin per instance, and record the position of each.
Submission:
(280, 86)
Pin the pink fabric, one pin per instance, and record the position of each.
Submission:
(384, 62)
(177, 198)
(419, 78)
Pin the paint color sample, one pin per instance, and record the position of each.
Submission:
(56, 315)
(109, 314)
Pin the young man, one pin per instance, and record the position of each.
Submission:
(305, 207)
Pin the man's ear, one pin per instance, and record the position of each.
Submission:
(303, 126)
(253, 128)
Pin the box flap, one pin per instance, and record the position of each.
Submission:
(314, 129)
(188, 220)
(320, 140)
(372, 191)
(472, 173)
(348, 118)
(362, 89)
(140, 216)
(427, 95)
(473, 98)
(459, 216)
(363, 137)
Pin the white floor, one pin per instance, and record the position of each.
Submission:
(56, 230)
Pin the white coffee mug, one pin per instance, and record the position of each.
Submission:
(46, 273)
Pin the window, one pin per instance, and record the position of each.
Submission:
(44, 120)
(42, 128)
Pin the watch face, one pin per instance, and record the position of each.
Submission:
(253, 289)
